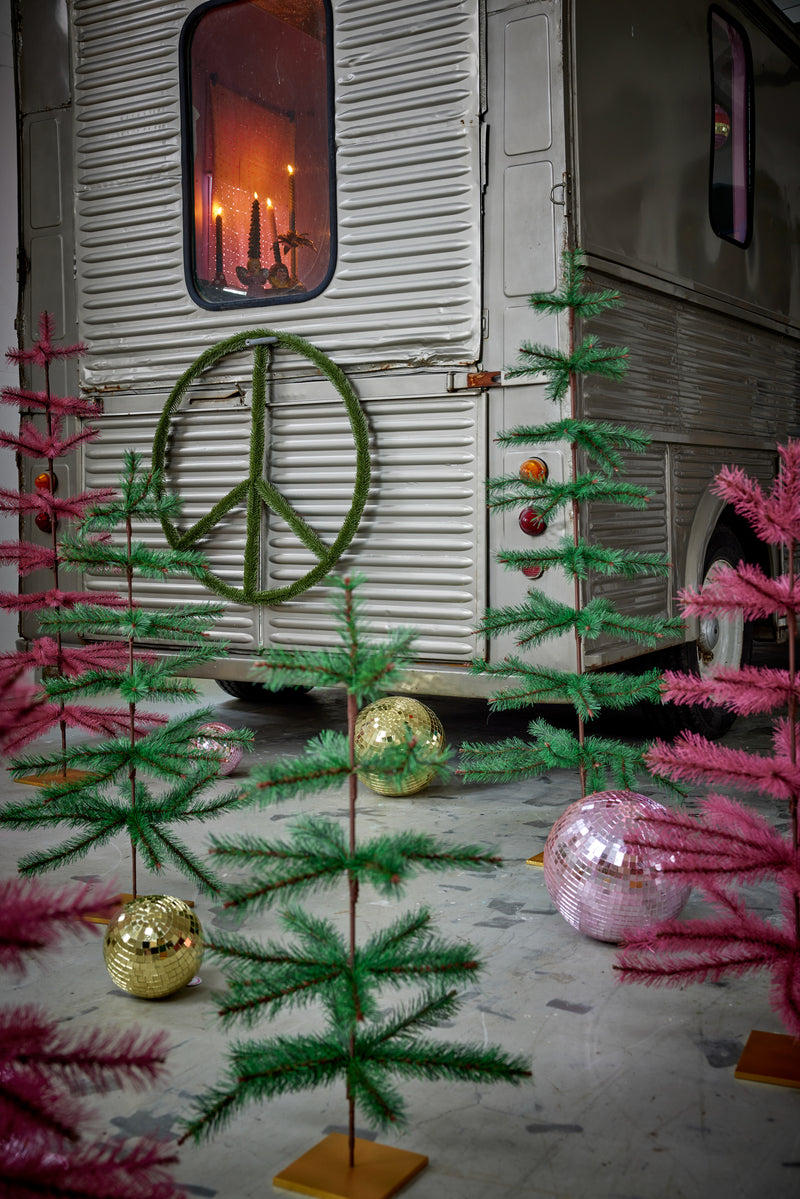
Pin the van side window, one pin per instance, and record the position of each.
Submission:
(258, 158)
(731, 185)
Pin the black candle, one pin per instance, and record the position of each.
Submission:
(218, 230)
(254, 250)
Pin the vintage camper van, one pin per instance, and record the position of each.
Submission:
(389, 182)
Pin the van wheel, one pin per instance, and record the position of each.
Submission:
(722, 642)
(257, 693)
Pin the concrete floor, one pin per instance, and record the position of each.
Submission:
(633, 1093)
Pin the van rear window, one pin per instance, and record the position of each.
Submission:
(258, 160)
(731, 188)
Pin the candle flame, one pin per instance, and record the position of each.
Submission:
(217, 211)
(290, 169)
(269, 202)
(255, 195)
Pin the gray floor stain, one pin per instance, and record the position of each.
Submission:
(203, 1192)
(579, 1009)
(720, 1054)
(502, 905)
(490, 1011)
(227, 918)
(143, 1124)
(554, 1128)
(498, 922)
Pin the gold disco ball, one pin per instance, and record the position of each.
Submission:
(153, 946)
(391, 721)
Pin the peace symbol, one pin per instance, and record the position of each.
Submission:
(256, 491)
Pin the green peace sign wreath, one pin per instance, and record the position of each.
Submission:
(256, 491)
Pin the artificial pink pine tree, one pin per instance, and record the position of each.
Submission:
(728, 844)
(45, 1145)
(48, 440)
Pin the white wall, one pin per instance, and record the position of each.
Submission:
(8, 294)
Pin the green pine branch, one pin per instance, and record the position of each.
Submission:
(588, 693)
(573, 293)
(587, 358)
(103, 557)
(608, 762)
(580, 559)
(69, 851)
(140, 496)
(315, 856)
(548, 496)
(364, 668)
(266, 1070)
(184, 622)
(540, 617)
(144, 681)
(324, 763)
(600, 440)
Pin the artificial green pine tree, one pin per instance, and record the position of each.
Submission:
(325, 963)
(117, 794)
(597, 450)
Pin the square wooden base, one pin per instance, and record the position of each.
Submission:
(119, 902)
(770, 1057)
(536, 860)
(380, 1170)
(56, 776)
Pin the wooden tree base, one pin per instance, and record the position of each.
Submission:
(770, 1057)
(56, 776)
(120, 901)
(380, 1170)
(536, 860)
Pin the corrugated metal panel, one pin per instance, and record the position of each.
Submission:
(406, 286)
(632, 529)
(200, 474)
(417, 543)
(693, 371)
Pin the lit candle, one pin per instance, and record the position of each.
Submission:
(273, 231)
(218, 234)
(254, 245)
(291, 199)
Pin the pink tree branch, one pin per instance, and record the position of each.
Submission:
(774, 517)
(57, 405)
(35, 917)
(33, 443)
(728, 841)
(55, 598)
(68, 507)
(43, 351)
(746, 589)
(747, 691)
(696, 759)
(70, 659)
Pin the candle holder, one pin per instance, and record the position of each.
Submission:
(291, 241)
(278, 275)
(253, 277)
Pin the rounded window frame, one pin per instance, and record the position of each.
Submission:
(750, 130)
(188, 163)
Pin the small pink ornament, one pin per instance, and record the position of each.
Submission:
(213, 741)
(600, 887)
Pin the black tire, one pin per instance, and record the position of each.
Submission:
(257, 693)
(721, 643)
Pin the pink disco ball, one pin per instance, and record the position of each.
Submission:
(600, 887)
(212, 740)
